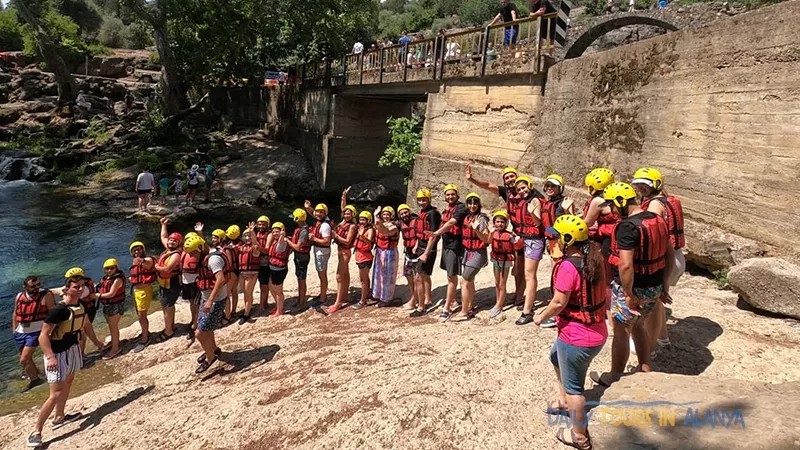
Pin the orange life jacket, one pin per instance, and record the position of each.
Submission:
(450, 213)
(362, 245)
(189, 263)
(513, 202)
(525, 223)
(551, 210)
(469, 237)
(673, 216)
(650, 256)
(588, 305)
(105, 287)
(247, 261)
(140, 275)
(30, 308)
(89, 301)
(316, 231)
(306, 247)
(408, 231)
(385, 241)
(261, 237)
(276, 258)
(605, 224)
(162, 260)
(503, 248)
(422, 225)
(205, 277)
(342, 230)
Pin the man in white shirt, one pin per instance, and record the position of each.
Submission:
(145, 183)
(320, 237)
(358, 48)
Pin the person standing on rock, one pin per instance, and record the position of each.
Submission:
(231, 246)
(527, 212)
(452, 249)
(30, 309)
(428, 219)
(211, 281)
(249, 262)
(408, 223)
(278, 252)
(111, 294)
(384, 275)
(507, 192)
(142, 275)
(554, 206)
(262, 232)
(301, 246)
(320, 237)
(177, 185)
(344, 237)
(642, 259)
(60, 343)
(189, 290)
(144, 188)
(163, 188)
(365, 240)
(504, 249)
(598, 216)
(475, 238)
(193, 183)
(579, 308)
(88, 299)
(209, 177)
(168, 267)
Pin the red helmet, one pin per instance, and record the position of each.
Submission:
(176, 236)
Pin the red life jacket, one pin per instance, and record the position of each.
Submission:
(408, 231)
(189, 263)
(524, 222)
(30, 308)
(231, 259)
(673, 216)
(421, 225)
(588, 305)
(316, 231)
(503, 249)
(469, 236)
(306, 247)
(88, 301)
(276, 258)
(551, 210)
(650, 256)
(162, 260)
(140, 275)
(105, 288)
(342, 230)
(384, 241)
(261, 237)
(205, 277)
(247, 261)
(450, 213)
(362, 245)
(513, 203)
(605, 224)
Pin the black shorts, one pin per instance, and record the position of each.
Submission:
(169, 297)
(193, 188)
(451, 261)
(364, 265)
(144, 191)
(190, 292)
(301, 266)
(426, 268)
(263, 275)
(276, 277)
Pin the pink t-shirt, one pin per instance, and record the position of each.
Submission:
(567, 279)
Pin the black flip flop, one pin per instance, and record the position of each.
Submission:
(205, 365)
(202, 357)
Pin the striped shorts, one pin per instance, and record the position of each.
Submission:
(70, 361)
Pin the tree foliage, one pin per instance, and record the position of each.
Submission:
(405, 143)
(10, 32)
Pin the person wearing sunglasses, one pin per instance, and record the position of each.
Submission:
(30, 309)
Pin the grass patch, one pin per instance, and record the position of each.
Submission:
(98, 131)
(721, 279)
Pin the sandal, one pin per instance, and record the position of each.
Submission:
(445, 316)
(162, 337)
(494, 312)
(109, 356)
(333, 309)
(570, 440)
(556, 408)
(205, 365)
(604, 379)
(202, 357)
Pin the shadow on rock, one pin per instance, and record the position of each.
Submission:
(244, 360)
(689, 353)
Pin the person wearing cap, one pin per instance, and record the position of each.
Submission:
(579, 307)
(642, 259)
(231, 245)
(408, 224)
(365, 240)
(192, 184)
(428, 219)
(142, 275)
(475, 238)
(344, 237)
(452, 249)
(320, 237)
(527, 215)
(278, 251)
(262, 232)
(504, 248)
(111, 294)
(384, 275)
(507, 192)
(249, 262)
(30, 309)
(301, 247)
(168, 267)
(88, 300)
(555, 204)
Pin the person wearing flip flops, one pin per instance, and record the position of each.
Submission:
(168, 268)
(211, 281)
(301, 246)
(344, 237)
(278, 252)
(30, 309)
(504, 248)
(111, 294)
(384, 275)
(320, 237)
(474, 238)
(579, 307)
(362, 249)
(452, 249)
(142, 275)
(528, 212)
(428, 219)
(231, 248)
(249, 262)
(408, 223)
(60, 343)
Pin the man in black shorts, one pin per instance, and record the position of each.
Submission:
(168, 267)
(428, 220)
(452, 247)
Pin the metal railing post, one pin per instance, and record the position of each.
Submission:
(442, 57)
(434, 59)
(538, 60)
(361, 68)
(380, 67)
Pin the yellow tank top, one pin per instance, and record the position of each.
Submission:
(74, 324)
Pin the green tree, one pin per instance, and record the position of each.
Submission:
(405, 143)
(10, 32)
(477, 12)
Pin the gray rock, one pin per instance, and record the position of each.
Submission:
(771, 284)
(183, 212)
(387, 188)
(714, 249)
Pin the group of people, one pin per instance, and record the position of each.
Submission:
(147, 189)
(614, 261)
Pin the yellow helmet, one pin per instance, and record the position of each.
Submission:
(321, 207)
(554, 179)
(524, 179)
(279, 225)
(110, 262)
(500, 213)
(598, 179)
(220, 234)
(365, 215)
(134, 245)
(193, 244)
(473, 195)
(233, 232)
(402, 207)
(190, 234)
(388, 208)
(352, 209)
(264, 219)
(299, 215)
(75, 272)
(450, 187)
(424, 193)
(509, 170)
(619, 193)
(571, 229)
(649, 176)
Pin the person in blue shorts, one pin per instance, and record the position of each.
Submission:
(30, 309)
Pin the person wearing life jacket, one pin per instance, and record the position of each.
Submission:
(211, 280)
(579, 307)
(89, 302)
(262, 232)
(599, 217)
(189, 290)
(527, 214)
(649, 184)
(141, 276)
(320, 237)
(408, 226)
(362, 248)
(428, 219)
(61, 350)
(504, 251)
(229, 247)
(452, 249)
(301, 246)
(475, 238)
(278, 251)
(642, 259)
(168, 268)
(30, 309)
(344, 236)
(249, 262)
(508, 192)
(111, 294)
(384, 271)
(555, 204)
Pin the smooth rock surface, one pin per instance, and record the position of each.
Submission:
(771, 284)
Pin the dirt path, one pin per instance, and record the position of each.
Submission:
(376, 378)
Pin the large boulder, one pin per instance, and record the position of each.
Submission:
(388, 188)
(771, 284)
(714, 249)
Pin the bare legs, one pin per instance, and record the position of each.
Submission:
(59, 392)
(249, 285)
(145, 325)
(500, 281)
(113, 328)
(423, 285)
(343, 278)
(452, 285)
(531, 283)
(26, 361)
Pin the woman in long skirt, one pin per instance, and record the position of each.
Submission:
(384, 276)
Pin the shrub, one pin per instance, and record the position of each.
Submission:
(721, 279)
(111, 32)
(137, 36)
(477, 12)
(154, 58)
(152, 126)
(10, 32)
(405, 142)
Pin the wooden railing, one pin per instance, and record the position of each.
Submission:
(510, 47)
